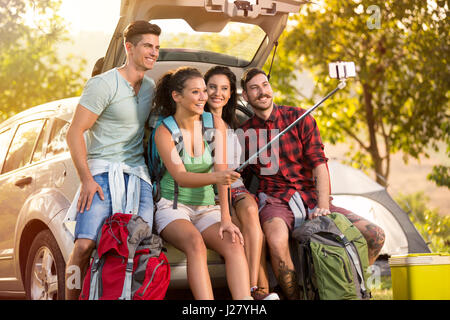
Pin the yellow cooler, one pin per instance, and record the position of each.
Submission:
(422, 276)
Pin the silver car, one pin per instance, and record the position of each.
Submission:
(37, 178)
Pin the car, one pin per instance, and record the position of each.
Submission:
(37, 177)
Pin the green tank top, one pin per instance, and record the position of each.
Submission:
(202, 196)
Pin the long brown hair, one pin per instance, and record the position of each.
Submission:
(229, 110)
(173, 80)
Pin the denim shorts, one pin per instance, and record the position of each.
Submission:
(91, 221)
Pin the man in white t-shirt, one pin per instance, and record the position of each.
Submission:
(112, 110)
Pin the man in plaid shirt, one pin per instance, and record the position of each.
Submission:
(297, 167)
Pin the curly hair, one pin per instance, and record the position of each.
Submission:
(173, 80)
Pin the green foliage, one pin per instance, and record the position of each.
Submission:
(441, 176)
(31, 72)
(400, 98)
(434, 228)
(237, 42)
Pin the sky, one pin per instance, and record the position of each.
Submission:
(90, 15)
(95, 15)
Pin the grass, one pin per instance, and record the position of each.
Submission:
(383, 291)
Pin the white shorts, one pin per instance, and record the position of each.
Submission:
(201, 217)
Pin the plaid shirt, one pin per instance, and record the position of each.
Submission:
(298, 152)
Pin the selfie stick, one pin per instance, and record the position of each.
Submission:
(340, 86)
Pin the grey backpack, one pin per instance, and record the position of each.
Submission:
(334, 259)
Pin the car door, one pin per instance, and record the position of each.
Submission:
(17, 182)
(5, 254)
(51, 171)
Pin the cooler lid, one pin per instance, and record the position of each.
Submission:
(419, 259)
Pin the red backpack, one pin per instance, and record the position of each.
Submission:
(128, 264)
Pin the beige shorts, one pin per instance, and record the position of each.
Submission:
(201, 217)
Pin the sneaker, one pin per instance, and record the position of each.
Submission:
(259, 294)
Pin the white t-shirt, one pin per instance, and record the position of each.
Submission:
(234, 152)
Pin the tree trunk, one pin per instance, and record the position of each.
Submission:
(373, 146)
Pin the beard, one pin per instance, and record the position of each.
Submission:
(262, 106)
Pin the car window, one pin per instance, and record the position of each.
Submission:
(4, 142)
(235, 45)
(57, 143)
(19, 153)
(37, 155)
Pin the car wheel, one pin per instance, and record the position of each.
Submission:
(45, 269)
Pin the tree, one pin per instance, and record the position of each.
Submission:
(238, 41)
(435, 229)
(31, 72)
(400, 98)
(440, 175)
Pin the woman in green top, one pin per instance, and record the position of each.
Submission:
(197, 222)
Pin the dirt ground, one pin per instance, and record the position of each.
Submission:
(410, 177)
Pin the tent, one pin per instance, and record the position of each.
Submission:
(355, 191)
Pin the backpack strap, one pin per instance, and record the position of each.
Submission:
(95, 290)
(208, 128)
(138, 230)
(156, 169)
(171, 125)
(126, 290)
(354, 256)
(207, 119)
(151, 147)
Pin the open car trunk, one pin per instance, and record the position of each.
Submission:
(262, 20)
(202, 34)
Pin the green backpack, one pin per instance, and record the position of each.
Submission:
(334, 259)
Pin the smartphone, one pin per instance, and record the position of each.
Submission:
(342, 70)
